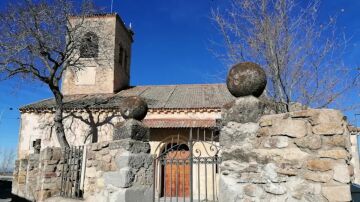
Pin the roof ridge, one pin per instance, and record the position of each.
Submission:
(143, 90)
(35, 102)
(170, 94)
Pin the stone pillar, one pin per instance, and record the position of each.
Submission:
(32, 176)
(119, 171)
(49, 177)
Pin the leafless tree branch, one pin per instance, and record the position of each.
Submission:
(302, 57)
(39, 42)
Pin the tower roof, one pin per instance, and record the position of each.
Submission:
(105, 15)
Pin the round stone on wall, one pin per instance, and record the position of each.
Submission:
(246, 78)
(133, 107)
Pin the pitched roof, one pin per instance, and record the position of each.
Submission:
(190, 96)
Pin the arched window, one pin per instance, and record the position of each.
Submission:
(89, 46)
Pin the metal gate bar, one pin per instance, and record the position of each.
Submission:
(71, 174)
(187, 167)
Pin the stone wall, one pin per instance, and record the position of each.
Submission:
(297, 156)
(38, 176)
(120, 170)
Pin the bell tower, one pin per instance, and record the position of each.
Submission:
(104, 54)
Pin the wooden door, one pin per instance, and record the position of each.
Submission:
(177, 174)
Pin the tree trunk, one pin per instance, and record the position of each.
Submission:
(94, 132)
(58, 118)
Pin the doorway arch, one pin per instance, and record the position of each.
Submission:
(175, 171)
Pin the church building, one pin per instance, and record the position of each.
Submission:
(92, 99)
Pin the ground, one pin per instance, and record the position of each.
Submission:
(5, 190)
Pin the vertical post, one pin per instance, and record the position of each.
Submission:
(62, 174)
(212, 166)
(176, 179)
(76, 170)
(71, 170)
(154, 178)
(199, 166)
(183, 185)
(165, 162)
(206, 176)
(171, 182)
(191, 166)
(83, 168)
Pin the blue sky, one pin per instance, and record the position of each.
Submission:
(171, 47)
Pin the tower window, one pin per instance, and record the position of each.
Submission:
(89, 46)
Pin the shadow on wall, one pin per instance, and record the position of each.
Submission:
(82, 127)
(5, 192)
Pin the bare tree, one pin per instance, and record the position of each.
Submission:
(7, 158)
(303, 58)
(39, 42)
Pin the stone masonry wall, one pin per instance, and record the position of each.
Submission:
(120, 170)
(37, 177)
(296, 156)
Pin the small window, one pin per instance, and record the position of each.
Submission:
(37, 146)
(121, 55)
(89, 46)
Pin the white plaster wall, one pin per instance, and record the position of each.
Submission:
(355, 157)
(40, 126)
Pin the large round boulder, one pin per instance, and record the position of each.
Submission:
(133, 107)
(245, 79)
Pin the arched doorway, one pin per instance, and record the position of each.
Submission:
(176, 171)
(186, 166)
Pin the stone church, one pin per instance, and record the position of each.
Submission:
(196, 143)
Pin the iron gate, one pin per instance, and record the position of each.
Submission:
(71, 176)
(186, 167)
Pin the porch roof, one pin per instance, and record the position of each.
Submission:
(180, 123)
(190, 96)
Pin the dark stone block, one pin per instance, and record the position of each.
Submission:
(243, 110)
(132, 129)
